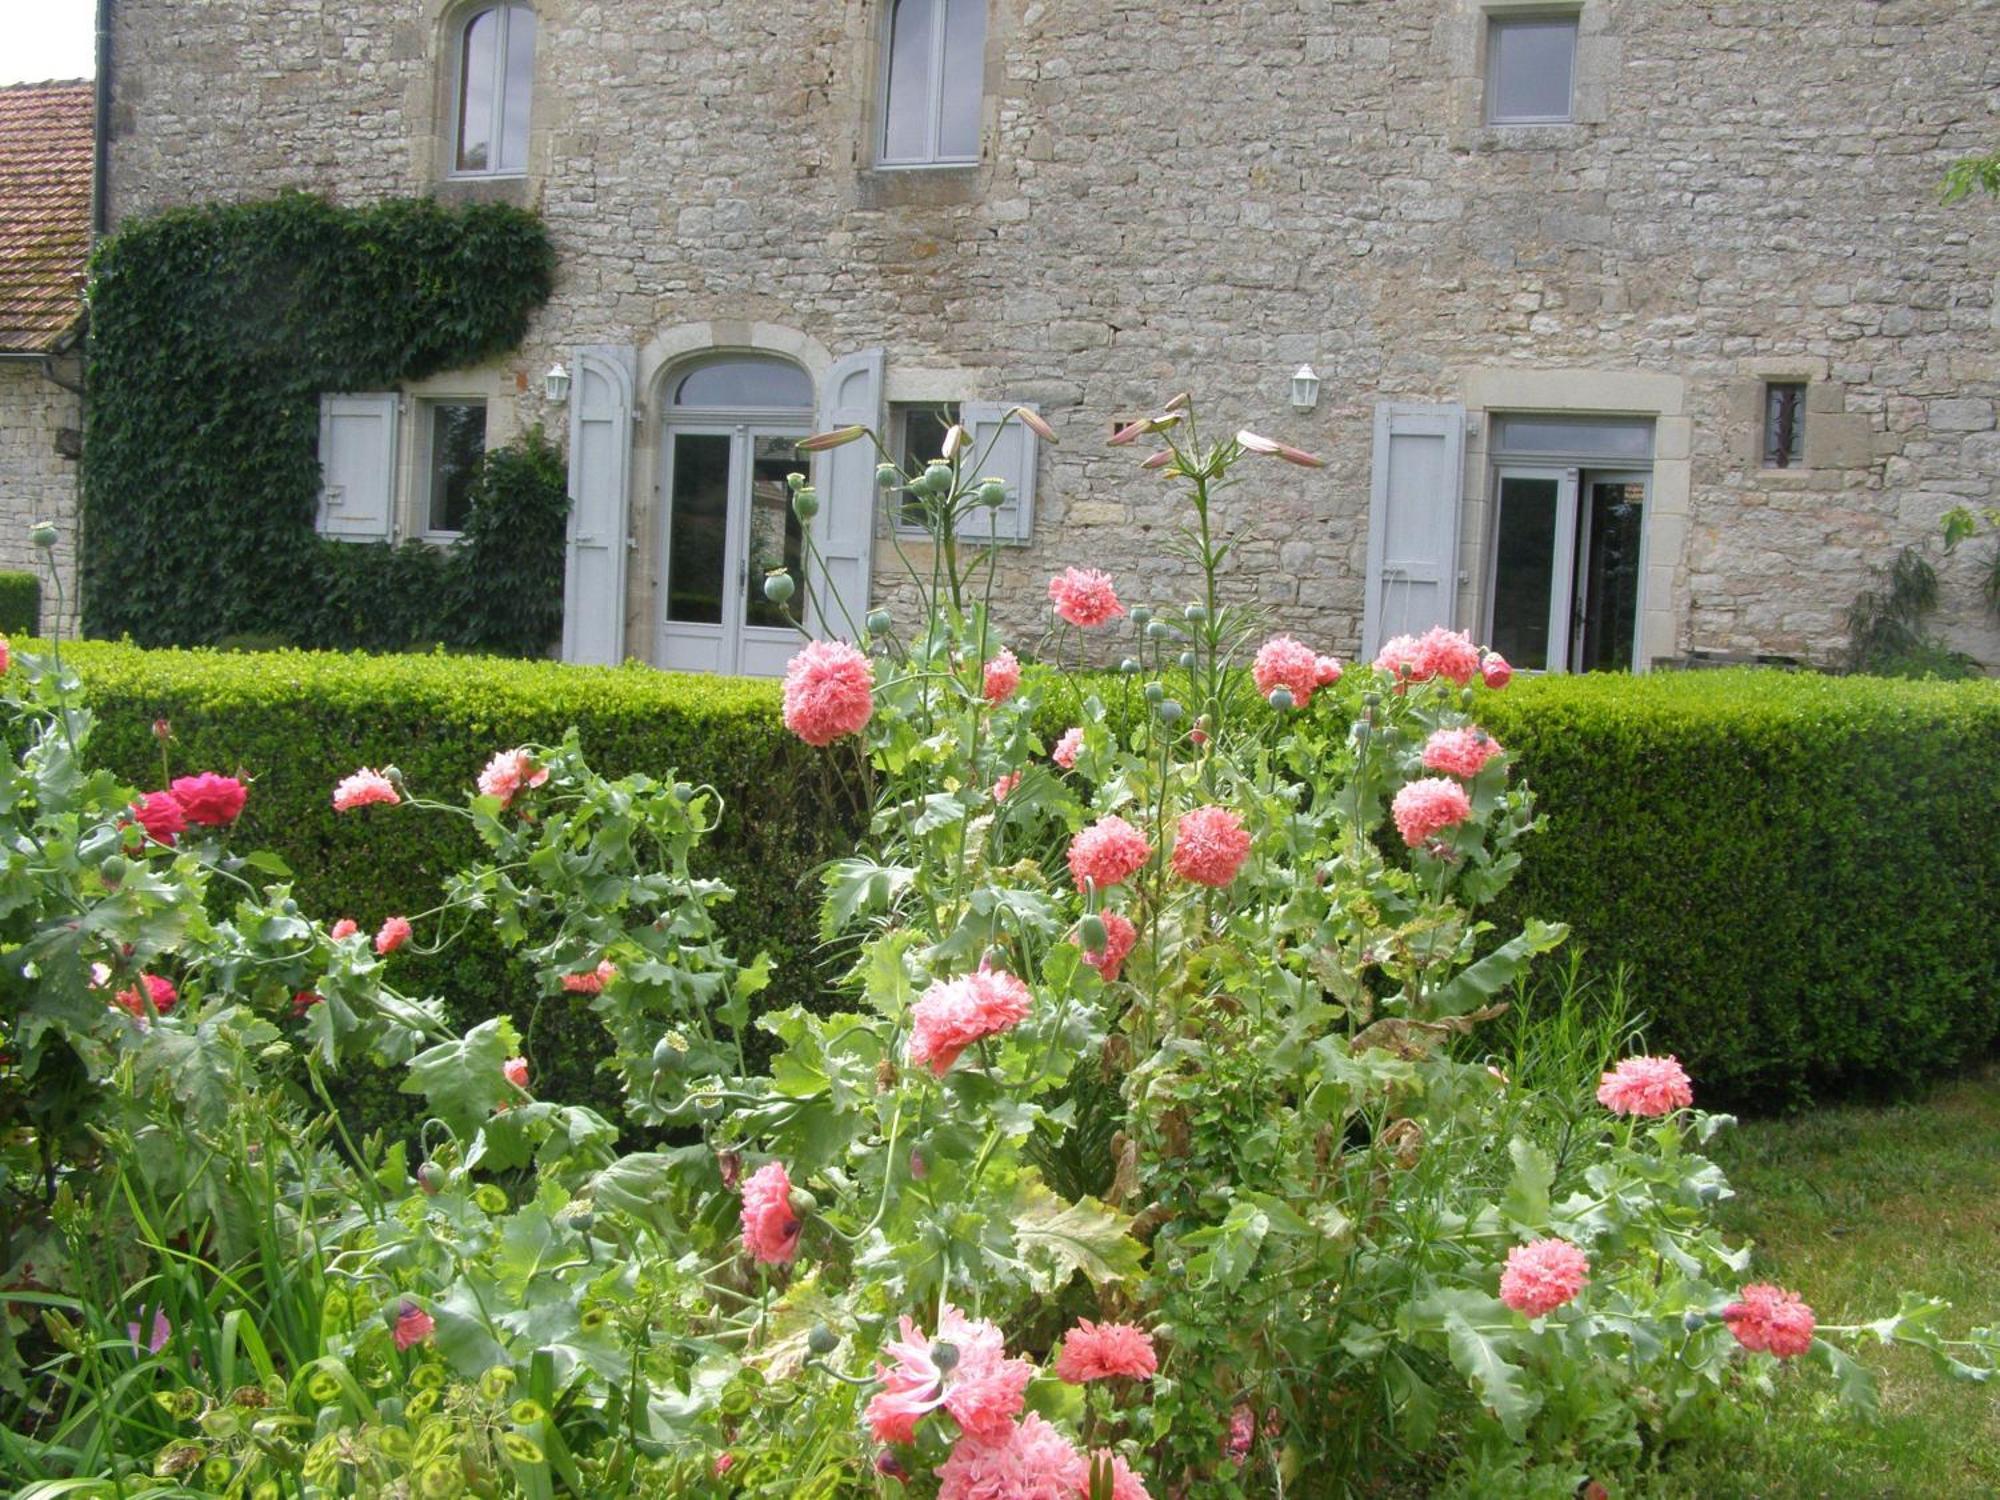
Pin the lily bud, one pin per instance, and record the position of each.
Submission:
(1033, 422)
(954, 441)
(839, 437)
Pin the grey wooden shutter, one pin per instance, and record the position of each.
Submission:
(1413, 521)
(844, 529)
(357, 461)
(600, 474)
(1011, 451)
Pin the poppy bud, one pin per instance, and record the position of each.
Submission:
(879, 621)
(1091, 930)
(162, 730)
(431, 1178)
(822, 1340)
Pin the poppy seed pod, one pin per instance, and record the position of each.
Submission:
(888, 476)
(779, 587)
(806, 503)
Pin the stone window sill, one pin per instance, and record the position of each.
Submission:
(896, 187)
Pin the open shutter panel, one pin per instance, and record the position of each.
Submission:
(357, 461)
(600, 473)
(844, 529)
(1413, 521)
(1010, 452)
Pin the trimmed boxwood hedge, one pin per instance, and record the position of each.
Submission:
(294, 722)
(1801, 873)
(20, 603)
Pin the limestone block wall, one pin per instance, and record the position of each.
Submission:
(36, 482)
(1204, 194)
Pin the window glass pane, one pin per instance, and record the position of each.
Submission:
(1784, 425)
(1524, 571)
(907, 104)
(924, 428)
(1617, 438)
(476, 81)
(520, 74)
(698, 528)
(457, 449)
(761, 384)
(775, 538)
(964, 78)
(1533, 66)
(1611, 576)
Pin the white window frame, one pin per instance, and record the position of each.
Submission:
(934, 73)
(424, 409)
(1499, 21)
(455, 143)
(1572, 541)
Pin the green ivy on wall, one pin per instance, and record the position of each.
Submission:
(213, 333)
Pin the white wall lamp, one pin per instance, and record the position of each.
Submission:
(1305, 389)
(556, 384)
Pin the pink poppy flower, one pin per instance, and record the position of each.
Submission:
(1125, 1485)
(1462, 752)
(160, 814)
(1647, 1086)
(1493, 669)
(954, 1013)
(304, 1001)
(1002, 677)
(162, 994)
(1004, 787)
(1427, 807)
(770, 1225)
(395, 932)
(413, 1326)
(1282, 662)
(1085, 597)
(346, 927)
(1120, 936)
(515, 1071)
(1542, 1275)
(1101, 1351)
(980, 1387)
(362, 788)
(829, 692)
(1108, 852)
(1210, 845)
(156, 1333)
(509, 773)
(1327, 670)
(1242, 1433)
(1068, 748)
(210, 799)
(1769, 1319)
(1028, 1461)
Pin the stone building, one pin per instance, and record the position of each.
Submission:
(1638, 326)
(45, 181)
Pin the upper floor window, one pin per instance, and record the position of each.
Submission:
(1531, 70)
(1784, 424)
(496, 80)
(932, 83)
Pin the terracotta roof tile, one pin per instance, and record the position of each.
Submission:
(45, 165)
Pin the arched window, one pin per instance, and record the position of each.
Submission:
(933, 78)
(496, 83)
(745, 382)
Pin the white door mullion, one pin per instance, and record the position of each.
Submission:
(1562, 585)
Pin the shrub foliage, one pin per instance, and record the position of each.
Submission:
(214, 331)
(20, 603)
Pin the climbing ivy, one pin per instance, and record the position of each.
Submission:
(213, 332)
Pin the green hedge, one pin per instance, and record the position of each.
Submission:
(20, 604)
(294, 722)
(1801, 873)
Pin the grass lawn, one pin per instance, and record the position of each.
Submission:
(1849, 1206)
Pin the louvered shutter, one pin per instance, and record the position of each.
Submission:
(844, 529)
(357, 462)
(1010, 452)
(1413, 521)
(600, 474)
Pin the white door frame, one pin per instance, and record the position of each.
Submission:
(1568, 588)
(729, 637)
(1580, 604)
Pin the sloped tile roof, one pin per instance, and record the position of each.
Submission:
(45, 165)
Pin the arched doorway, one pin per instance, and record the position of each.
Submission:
(730, 438)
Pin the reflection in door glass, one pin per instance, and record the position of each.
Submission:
(1524, 570)
(775, 539)
(1610, 584)
(698, 531)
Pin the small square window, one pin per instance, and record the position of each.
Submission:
(1531, 70)
(454, 436)
(1784, 424)
(918, 438)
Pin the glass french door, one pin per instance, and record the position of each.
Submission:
(729, 521)
(1567, 568)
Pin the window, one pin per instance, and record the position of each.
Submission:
(1531, 70)
(1784, 424)
(933, 77)
(496, 75)
(917, 437)
(454, 437)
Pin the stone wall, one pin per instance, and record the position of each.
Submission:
(36, 482)
(1206, 193)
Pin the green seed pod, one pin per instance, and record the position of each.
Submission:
(1281, 699)
(1694, 1320)
(1158, 630)
(880, 621)
(1142, 615)
(993, 493)
(779, 587)
(803, 1203)
(1194, 614)
(822, 1340)
(1187, 660)
(683, 792)
(806, 503)
(1091, 930)
(1170, 712)
(112, 871)
(43, 534)
(432, 1178)
(1129, 665)
(888, 476)
(1155, 694)
(795, 482)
